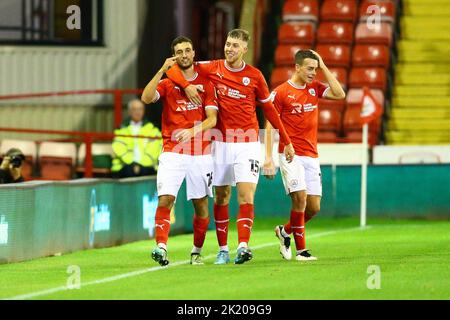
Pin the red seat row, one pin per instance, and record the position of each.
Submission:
(338, 10)
(335, 33)
(372, 77)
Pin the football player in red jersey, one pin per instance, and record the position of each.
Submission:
(297, 103)
(186, 154)
(236, 144)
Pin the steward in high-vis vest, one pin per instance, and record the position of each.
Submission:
(134, 157)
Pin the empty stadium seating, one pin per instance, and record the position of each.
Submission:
(335, 32)
(370, 77)
(374, 34)
(280, 75)
(329, 119)
(285, 53)
(300, 10)
(339, 10)
(340, 74)
(386, 9)
(102, 154)
(56, 160)
(357, 51)
(296, 33)
(371, 56)
(335, 55)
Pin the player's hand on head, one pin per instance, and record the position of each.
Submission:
(269, 169)
(192, 93)
(168, 63)
(321, 64)
(289, 152)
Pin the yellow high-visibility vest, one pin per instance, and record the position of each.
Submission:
(123, 147)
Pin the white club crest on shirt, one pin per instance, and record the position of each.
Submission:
(312, 92)
(246, 81)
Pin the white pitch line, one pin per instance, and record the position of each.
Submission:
(143, 271)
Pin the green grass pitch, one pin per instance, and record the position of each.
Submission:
(413, 257)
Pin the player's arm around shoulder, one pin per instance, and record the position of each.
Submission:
(335, 92)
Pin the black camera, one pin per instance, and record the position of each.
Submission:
(16, 161)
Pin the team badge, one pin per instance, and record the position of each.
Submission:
(294, 183)
(245, 81)
(312, 92)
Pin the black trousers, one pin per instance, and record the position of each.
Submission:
(134, 170)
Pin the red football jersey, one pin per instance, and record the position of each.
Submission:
(298, 109)
(179, 113)
(237, 92)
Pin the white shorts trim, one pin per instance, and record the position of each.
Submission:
(303, 173)
(174, 168)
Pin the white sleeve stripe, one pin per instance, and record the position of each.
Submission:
(269, 98)
(324, 94)
(157, 96)
(212, 107)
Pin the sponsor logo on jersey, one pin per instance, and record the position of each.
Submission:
(309, 107)
(232, 93)
(184, 105)
(297, 108)
(292, 96)
(246, 81)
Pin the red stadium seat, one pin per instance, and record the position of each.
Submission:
(339, 73)
(335, 55)
(339, 10)
(327, 136)
(335, 32)
(294, 10)
(57, 160)
(354, 96)
(370, 77)
(385, 8)
(296, 33)
(285, 54)
(280, 75)
(338, 105)
(370, 56)
(55, 168)
(329, 119)
(377, 34)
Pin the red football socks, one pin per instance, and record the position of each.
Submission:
(245, 222)
(287, 226)
(200, 226)
(162, 225)
(222, 221)
(298, 229)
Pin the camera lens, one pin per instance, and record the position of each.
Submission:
(16, 161)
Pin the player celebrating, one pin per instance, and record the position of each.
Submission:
(236, 147)
(185, 153)
(296, 100)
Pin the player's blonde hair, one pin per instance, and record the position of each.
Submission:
(240, 34)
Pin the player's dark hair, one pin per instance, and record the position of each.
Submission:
(240, 34)
(301, 55)
(179, 40)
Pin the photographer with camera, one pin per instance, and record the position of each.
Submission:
(11, 167)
